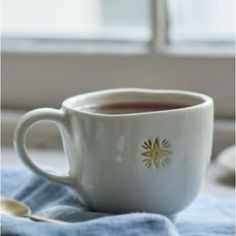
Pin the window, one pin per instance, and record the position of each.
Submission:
(201, 21)
(185, 21)
(73, 19)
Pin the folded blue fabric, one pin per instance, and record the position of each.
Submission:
(206, 216)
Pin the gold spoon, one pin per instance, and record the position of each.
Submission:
(15, 208)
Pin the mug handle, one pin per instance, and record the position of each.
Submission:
(28, 120)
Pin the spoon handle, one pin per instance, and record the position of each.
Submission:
(39, 218)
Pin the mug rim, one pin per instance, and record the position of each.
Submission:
(68, 104)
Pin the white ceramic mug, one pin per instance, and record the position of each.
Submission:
(148, 161)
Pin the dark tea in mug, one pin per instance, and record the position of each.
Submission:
(131, 107)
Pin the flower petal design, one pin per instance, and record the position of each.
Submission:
(156, 144)
(147, 153)
(156, 153)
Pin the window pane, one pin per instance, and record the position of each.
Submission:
(201, 21)
(76, 19)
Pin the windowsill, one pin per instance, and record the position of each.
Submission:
(113, 48)
(198, 51)
(72, 47)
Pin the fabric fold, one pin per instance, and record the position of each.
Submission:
(207, 216)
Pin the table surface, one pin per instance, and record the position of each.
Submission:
(218, 182)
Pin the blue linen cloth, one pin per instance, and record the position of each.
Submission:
(206, 216)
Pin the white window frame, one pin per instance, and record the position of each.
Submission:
(38, 74)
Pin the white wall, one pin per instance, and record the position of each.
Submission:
(35, 80)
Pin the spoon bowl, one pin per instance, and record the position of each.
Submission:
(15, 208)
